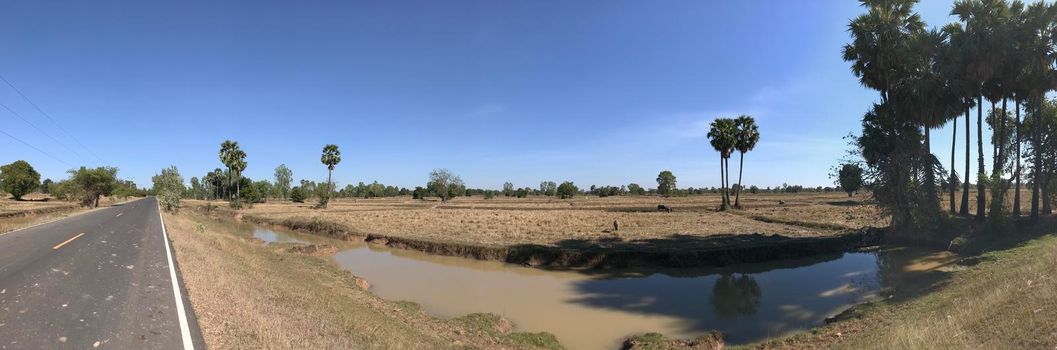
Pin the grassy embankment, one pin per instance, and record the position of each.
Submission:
(580, 232)
(249, 295)
(1006, 301)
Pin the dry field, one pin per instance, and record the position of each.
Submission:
(36, 209)
(551, 221)
(248, 295)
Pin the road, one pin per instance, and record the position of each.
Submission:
(102, 279)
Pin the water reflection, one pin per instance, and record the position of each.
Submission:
(595, 309)
(270, 236)
(734, 296)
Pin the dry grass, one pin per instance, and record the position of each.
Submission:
(32, 211)
(550, 221)
(247, 295)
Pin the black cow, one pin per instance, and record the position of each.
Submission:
(664, 208)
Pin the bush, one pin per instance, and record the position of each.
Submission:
(19, 179)
(170, 201)
(419, 193)
(297, 194)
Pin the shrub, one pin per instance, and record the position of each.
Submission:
(170, 201)
(297, 194)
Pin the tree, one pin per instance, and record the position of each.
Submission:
(92, 184)
(168, 187)
(196, 187)
(635, 189)
(850, 178)
(235, 160)
(665, 183)
(444, 184)
(45, 187)
(979, 18)
(548, 188)
(508, 189)
(721, 136)
(567, 190)
(331, 157)
(746, 135)
(19, 179)
(283, 177)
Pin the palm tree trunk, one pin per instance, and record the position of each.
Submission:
(981, 192)
(954, 142)
(1016, 171)
(726, 181)
(238, 185)
(930, 174)
(741, 169)
(722, 185)
(1036, 170)
(1046, 208)
(964, 210)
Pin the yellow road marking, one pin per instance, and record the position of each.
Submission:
(67, 241)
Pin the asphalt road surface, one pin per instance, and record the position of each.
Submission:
(99, 280)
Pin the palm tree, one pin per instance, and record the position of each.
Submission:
(981, 18)
(746, 135)
(226, 150)
(965, 85)
(930, 99)
(331, 157)
(1036, 80)
(723, 141)
(879, 47)
(238, 164)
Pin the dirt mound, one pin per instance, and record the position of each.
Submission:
(313, 249)
(710, 341)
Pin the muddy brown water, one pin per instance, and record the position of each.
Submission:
(597, 309)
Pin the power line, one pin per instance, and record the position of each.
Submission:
(38, 149)
(41, 130)
(49, 118)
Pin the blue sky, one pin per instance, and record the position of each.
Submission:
(596, 92)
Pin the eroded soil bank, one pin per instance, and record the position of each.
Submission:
(672, 251)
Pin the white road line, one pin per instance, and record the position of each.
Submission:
(118, 215)
(185, 331)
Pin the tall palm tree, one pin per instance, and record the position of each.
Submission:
(962, 49)
(1037, 79)
(331, 157)
(226, 150)
(238, 165)
(981, 17)
(879, 47)
(929, 101)
(721, 136)
(747, 134)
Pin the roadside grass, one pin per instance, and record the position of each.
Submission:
(250, 295)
